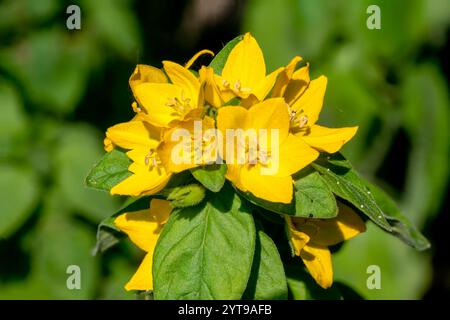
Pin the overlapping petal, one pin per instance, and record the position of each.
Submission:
(326, 139)
(310, 239)
(143, 227)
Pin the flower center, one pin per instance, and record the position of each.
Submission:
(204, 148)
(251, 153)
(236, 87)
(181, 105)
(152, 159)
(297, 119)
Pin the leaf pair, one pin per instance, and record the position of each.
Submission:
(213, 251)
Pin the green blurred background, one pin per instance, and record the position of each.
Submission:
(60, 89)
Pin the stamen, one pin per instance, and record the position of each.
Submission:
(303, 121)
(293, 114)
(181, 106)
(237, 85)
(152, 159)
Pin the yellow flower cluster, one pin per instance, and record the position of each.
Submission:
(244, 97)
(175, 97)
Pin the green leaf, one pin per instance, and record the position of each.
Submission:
(111, 169)
(347, 184)
(267, 279)
(401, 226)
(221, 58)
(312, 198)
(18, 196)
(206, 251)
(212, 176)
(303, 287)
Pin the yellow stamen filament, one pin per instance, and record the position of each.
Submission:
(254, 153)
(152, 160)
(237, 88)
(180, 105)
(297, 119)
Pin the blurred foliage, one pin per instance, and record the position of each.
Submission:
(47, 215)
(51, 77)
(382, 81)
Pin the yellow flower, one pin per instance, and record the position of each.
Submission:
(244, 74)
(142, 139)
(305, 100)
(162, 103)
(286, 156)
(179, 153)
(143, 228)
(310, 239)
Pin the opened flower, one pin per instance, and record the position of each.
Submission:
(185, 146)
(143, 228)
(164, 103)
(310, 239)
(305, 100)
(142, 140)
(244, 74)
(266, 171)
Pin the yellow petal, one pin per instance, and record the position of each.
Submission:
(328, 139)
(161, 210)
(226, 92)
(182, 147)
(245, 64)
(233, 174)
(155, 98)
(144, 73)
(311, 101)
(294, 155)
(284, 78)
(328, 232)
(143, 181)
(263, 89)
(270, 114)
(249, 101)
(176, 158)
(211, 89)
(196, 56)
(133, 134)
(297, 238)
(182, 77)
(270, 188)
(232, 117)
(317, 260)
(141, 227)
(297, 85)
(143, 278)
